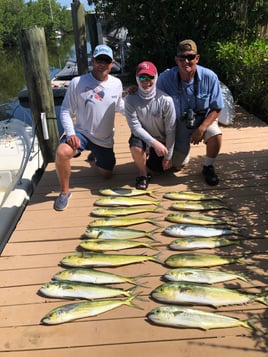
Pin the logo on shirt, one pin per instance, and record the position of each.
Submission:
(95, 95)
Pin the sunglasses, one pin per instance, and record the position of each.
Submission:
(186, 57)
(105, 60)
(143, 78)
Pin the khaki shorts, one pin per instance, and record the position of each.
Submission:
(181, 154)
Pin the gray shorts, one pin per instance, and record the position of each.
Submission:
(182, 146)
(105, 157)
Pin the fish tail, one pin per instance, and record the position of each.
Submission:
(156, 258)
(263, 298)
(134, 280)
(241, 260)
(243, 276)
(129, 302)
(152, 194)
(250, 323)
(150, 246)
(155, 222)
(150, 235)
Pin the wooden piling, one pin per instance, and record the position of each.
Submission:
(36, 70)
(79, 26)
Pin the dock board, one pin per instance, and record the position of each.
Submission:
(43, 237)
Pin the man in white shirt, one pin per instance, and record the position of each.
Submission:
(93, 99)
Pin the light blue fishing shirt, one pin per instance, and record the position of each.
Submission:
(209, 96)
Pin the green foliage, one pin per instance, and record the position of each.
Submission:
(156, 26)
(226, 31)
(244, 67)
(16, 15)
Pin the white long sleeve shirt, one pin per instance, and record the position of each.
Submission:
(93, 104)
(152, 119)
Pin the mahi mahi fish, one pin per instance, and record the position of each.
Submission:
(190, 243)
(86, 259)
(204, 276)
(75, 290)
(121, 211)
(187, 260)
(128, 192)
(182, 217)
(79, 310)
(178, 316)
(93, 276)
(110, 201)
(188, 230)
(121, 222)
(117, 233)
(99, 245)
(191, 196)
(182, 292)
(198, 206)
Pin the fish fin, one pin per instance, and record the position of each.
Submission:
(130, 302)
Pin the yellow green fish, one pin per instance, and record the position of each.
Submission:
(188, 230)
(189, 243)
(79, 310)
(118, 233)
(190, 196)
(110, 201)
(86, 259)
(204, 276)
(99, 245)
(198, 206)
(198, 260)
(128, 192)
(183, 217)
(121, 211)
(179, 316)
(121, 222)
(75, 290)
(182, 292)
(93, 276)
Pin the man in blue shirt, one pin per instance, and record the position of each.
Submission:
(198, 101)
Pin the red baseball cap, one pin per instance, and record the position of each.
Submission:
(146, 68)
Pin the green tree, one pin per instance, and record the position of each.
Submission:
(156, 26)
(11, 18)
(17, 14)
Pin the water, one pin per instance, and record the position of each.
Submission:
(12, 76)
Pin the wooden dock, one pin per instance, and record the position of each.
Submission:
(43, 237)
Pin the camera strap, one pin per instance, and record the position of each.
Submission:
(180, 89)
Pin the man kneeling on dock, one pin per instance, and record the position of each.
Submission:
(93, 99)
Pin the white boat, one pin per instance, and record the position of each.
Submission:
(61, 80)
(20, 165)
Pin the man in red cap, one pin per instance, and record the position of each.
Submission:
(151, 118)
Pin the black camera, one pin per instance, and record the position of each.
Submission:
(190, 118)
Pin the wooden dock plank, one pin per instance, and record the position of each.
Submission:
(43, 237)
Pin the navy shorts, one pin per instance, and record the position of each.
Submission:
(153, 162)
(105, 157)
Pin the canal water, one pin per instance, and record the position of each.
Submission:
(12, 77)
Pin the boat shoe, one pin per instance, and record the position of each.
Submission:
(61, 202)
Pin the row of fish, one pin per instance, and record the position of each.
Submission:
(188, 282)
(81, 281)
